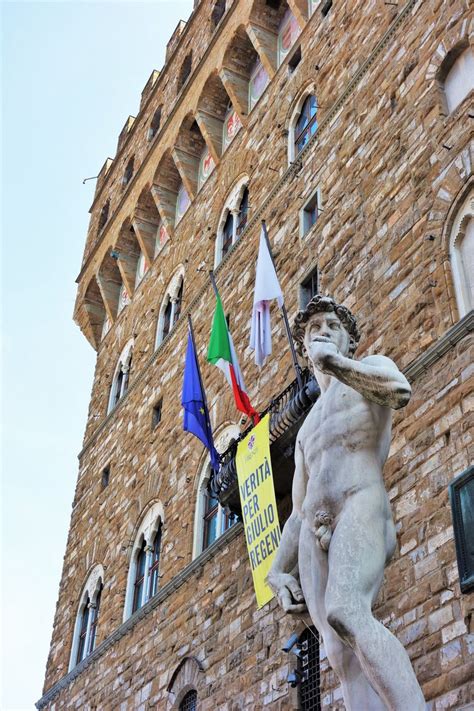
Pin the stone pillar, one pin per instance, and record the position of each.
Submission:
(146, 576)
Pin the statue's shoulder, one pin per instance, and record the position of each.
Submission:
(380, 360)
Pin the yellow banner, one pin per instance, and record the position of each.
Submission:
(259, 511)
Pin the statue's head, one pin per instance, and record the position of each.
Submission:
(324, 319)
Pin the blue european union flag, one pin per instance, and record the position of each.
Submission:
(196, 415)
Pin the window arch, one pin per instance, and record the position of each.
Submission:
(457, 75)
(155, 124)
(128, 172)
(87, 618)
(303, 125)
(171, 306)
(143, 574)
(104, 215)
(211, 520)
(121, 377)
(461, 248)
(185, 70)
(233, 219)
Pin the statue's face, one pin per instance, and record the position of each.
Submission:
(325, 327)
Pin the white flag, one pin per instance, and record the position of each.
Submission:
(266, 289)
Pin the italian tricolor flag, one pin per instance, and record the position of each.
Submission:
(221, 352)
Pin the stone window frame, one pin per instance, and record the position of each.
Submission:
(188, 676)
(121, 376)
(466, 574)
(149, 524)
(316, 196)
(171, 296)
(451, 46)
(222, 442)
(451, 61)
(295, 112)
(464, 213)
(231, 205)
(90, 591)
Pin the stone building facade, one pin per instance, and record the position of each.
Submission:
(373, 198)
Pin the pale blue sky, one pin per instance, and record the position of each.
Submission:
(71, 74)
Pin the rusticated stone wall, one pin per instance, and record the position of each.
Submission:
(390, 165)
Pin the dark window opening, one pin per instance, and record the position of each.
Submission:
(243, 212)
(156, 415)
(306, 124)
(153, 575)
(139, 578)
(461, 494)
(118, 387)
(83, 632)
(185, 70)
(310, 213)
(274, 4)
(295, 59)
(189, 701)
(94, 621)
(167, 318)
(217, 13)
(326, 7)
(128, 173)
(308, 667)
(104, 215)
(210, 520)
(105, 476)
(309, 288)
(179, 301)
(155, 124)
(227, 234)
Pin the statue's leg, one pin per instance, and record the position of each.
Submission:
(357, 692)
(356, 557)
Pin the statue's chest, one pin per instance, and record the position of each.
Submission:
(338, 412)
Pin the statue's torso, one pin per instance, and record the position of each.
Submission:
(345, 441)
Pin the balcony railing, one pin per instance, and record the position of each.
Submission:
(288, 411)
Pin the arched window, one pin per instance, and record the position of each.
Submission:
(218, 12)
(185, 70)
(87, 619)
(155, 124)
(189, 701)
(171, 307)
(104, 215)
(211, 519)
(288, 33)
(243, 212)
(128, 173)
(306, 124)
(461, 245)
(257, 83)
(233, 219)
(121, 377)
(143, 574)
(458, 73)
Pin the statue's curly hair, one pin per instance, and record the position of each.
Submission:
(325, 303)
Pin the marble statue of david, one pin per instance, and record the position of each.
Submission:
(340, 534)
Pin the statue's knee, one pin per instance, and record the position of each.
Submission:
(340, 622)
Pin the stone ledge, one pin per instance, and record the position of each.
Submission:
(144, 611)
(436, 351)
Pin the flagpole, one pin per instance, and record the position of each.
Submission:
(213, 282)
(285, 317)
(204, 397)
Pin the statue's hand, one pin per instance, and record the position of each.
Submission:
(288, 592)
(320, 351)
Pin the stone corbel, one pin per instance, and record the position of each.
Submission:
(145, 231)
(237, 88)
(110, 291)
(299, 8)
(165, 201)
(266, 46)
(211, 129)
(188, 169)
